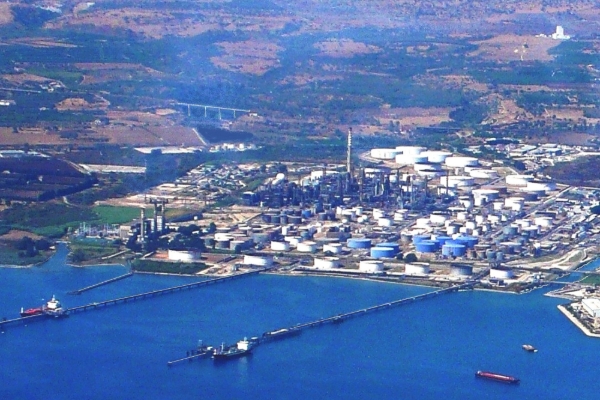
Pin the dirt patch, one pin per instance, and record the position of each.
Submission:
(6, 16)
(254, 57)
(25, 78)
(515, 47)
(414, 116)
(78, 104)
(345, 48)
(14, 235)
(39, 42)
(32, 136)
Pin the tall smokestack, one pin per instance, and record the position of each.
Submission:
(143, 224)
(349, 155)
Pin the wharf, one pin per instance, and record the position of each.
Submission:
(106, 282)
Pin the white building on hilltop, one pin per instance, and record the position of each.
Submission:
(560, 34)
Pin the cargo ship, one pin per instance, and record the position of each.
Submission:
(281, 333)
(497, 377)
(52, 308)
(240, 349)
(529, 348)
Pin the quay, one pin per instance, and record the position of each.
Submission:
(106, 282)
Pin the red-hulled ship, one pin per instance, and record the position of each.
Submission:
(31, 311)
(497, 377)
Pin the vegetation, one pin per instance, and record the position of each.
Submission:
(118, 215)
(168, 267)
(86, 251)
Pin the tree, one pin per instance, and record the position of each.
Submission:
(78, 256)
(212, 227)
(410, 258)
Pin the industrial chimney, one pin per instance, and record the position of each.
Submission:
(349, 155)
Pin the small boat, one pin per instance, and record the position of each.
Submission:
(529, 348)
(497, 377)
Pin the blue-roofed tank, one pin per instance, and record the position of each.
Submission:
(443, 239)
(383, 252)
(419, 238)
(454, 249)
(490, 255)
(469, 241)
(306, 213)
(426, 246)
(391, 245)
(359, 243)
(500, 256)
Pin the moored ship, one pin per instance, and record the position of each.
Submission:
(529, 348)
(497, 377)
(240, 349)
(281, 333)
(52, 308)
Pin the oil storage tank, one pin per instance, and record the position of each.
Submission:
(454, 249)
(461, 270)
(327, 262)
(427, 246)
(359, 243)
(394, 246)
(371, 266)
(416, 269)
(259, 261)
(382, 252)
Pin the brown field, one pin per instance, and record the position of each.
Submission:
(345, 48)
(39, 42)
(77, 104)
(24, 78)
(414, 116)
(14, 235)
(514, 47)
(249, 57)
(138, 131)
(33, 136)
(6, 16)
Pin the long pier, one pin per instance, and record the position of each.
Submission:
(106, 282)
(120, 300)
(294, 330)
(93, 306)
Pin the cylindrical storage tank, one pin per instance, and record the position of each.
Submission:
(541, 185)
(378, 213)
(280, 246)
(294, 219)
(237, 244)
(394, 246)
(334, 248)
(259, 261)
(461, 270)
(455, 181)
(510, 230)
(498, 205)
(426, 246)
(427, 166)
(452, 229)
(306, 213)
(488, 194)
(437, 157)
(422, 222)
(470, 225)
(276, 219)
(462, 216)
(222, 244)
(544, 222)
(461, 162)
(454, 250)
(518, 180)
(443, 239)
(327, 263)
(293, 240)
(419, 238)
(283, 219)
(184, 255)
(494, 219)
(416, 269)
(501, 273)
(532, 231)
(499, 256)
(438, 219)
(358, 243)
(305, 235)
(410, 159)
(383, 252)
(384, 154)
(307, 247)
(410, 149)
(385, 222)
(469, 241)
(483, 173)
(371, 266)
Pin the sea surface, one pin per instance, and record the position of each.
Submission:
(429, 349)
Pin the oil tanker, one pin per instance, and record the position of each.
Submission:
(497, 377)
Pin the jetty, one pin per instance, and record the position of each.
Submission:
(106, 282)
(283, 333)
(140, 296)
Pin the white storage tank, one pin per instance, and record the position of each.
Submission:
(307, 247)
(487, 194)
(410, 149)
(410, 159)
(438, 219)
(371, 266)
(385, 222)
(327, 262)
(334, 248)
(384, 154)
(427, 166)
(540, 185)
(293, 240)
(184, 255)
(461, 162)
(416, 269)
(280, 246)
(434, 156)
(518, 180)
(544, 222)
(483, 173)
(501, 273)
(259, 261)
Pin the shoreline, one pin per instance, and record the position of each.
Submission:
(576, 322)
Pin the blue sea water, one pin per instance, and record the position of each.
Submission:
(425, 350)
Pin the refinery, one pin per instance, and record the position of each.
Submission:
(405, 214)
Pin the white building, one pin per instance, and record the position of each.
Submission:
(560, 34)
(591, 306)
